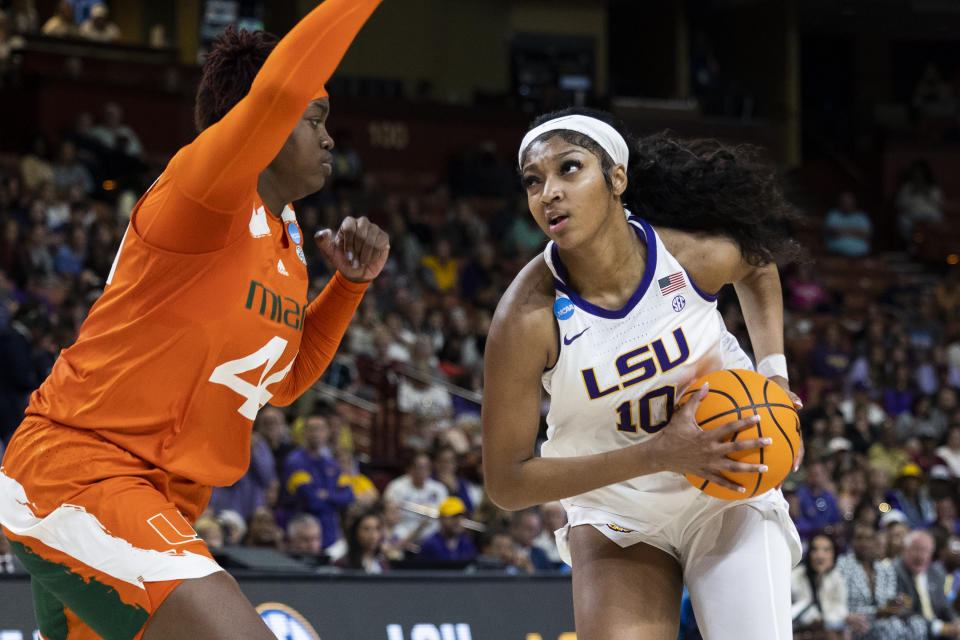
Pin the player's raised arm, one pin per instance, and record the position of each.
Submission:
(220, 168)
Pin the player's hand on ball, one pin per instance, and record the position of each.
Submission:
(682, 446)
(358, 250)
(797, 404)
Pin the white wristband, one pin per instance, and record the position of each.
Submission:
(774, 364)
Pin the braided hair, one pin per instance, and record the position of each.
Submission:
(699, 185)
(228, 72)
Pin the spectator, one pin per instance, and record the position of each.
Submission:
(899, 397)
(923, 584)
(113, 134)
(926, 457)
(921, 420)
(440, 269)
(887, 454)
(35, 167)
(24, 17)
(305, 537)
(498, 553)
(554, 518)
(919, 201)
(98, 26)
(312, 479)
(860, 398)
(847, 228)
(895, 529)
(830, 359)
(20, 374)
(363, 545)
(70, 257)
(950, 450)
(450, 543)
(875, 609)
(263, 531)
(933, 95)
(10, 42)
(364, 491)
(210, 531)
(947, 523)
(271, 425)
(258, 487)
(949, 558)
(416, 493)
(817, 504)
(804, 289)
(234, 526)
(69, 171)
(445, 465)
(480, 279)
(910, 496)
(819, 593)
(61, 24)
(525, 527)
(83, 8)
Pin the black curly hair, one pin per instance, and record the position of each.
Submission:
(699, 185)
(228, 72)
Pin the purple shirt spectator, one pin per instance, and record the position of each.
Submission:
(249, 492)
(897, 401)
(314, 482)
(438, 548)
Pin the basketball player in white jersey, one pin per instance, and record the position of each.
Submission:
(615, 320)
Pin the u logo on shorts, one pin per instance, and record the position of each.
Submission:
(170, 532)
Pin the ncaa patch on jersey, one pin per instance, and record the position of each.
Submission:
(294, 232)
(563, 308)
(679, 302)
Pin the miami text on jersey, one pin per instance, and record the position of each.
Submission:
(290, 316)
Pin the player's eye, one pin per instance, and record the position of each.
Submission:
(569, 166)
(529, 181)
(315, 122)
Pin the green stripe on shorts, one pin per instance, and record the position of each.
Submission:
(97, 604)
(51, 620)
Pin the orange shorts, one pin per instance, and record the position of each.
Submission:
(105, 535)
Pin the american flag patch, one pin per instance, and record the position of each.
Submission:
(671, 283)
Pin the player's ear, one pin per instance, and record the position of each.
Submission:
(618, 179)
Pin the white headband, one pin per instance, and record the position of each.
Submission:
(599, 131)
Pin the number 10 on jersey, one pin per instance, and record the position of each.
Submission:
(653, 411)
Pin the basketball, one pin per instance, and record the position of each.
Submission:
(736, 394)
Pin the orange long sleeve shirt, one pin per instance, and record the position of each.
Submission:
(204, 317)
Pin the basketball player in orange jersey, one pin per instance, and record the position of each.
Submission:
(615, 319)
(204, 319)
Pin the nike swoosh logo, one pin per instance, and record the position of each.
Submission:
(569, 341)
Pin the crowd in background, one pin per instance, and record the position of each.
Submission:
(380, 468)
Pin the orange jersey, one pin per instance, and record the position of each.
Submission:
(205, 318)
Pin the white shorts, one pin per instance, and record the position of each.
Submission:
(675, 537)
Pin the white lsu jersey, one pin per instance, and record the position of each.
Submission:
(619, 374)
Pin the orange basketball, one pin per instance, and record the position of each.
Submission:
(736, 394)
